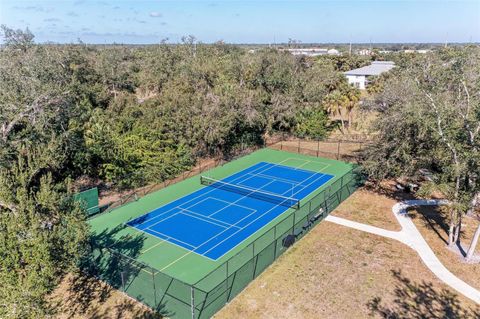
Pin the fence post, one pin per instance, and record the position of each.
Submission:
(123, 281)
(275, 241)
(154, 288)
(293, 226)
(338, 150)
(318, 147)
(192, 301)
(298, 146)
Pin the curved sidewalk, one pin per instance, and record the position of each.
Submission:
(410, 236)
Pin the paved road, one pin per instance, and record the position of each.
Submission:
(410, 236)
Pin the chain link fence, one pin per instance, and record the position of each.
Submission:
(174, 298)
(339, 147)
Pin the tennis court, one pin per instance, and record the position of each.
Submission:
(214, 219)
(191, 247)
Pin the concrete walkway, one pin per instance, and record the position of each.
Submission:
(409, 235)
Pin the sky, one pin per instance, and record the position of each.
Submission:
(233, 21)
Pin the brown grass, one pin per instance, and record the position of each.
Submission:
(432, 222)
(336, 272)
(369, 208)
(80, 297)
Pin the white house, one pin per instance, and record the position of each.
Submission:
(365, 52)
(359, 77)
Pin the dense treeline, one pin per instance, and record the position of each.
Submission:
(130, 115)
(119, 111)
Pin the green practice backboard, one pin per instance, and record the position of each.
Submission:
(89, 200)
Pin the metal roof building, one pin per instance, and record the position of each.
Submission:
(358, 77)
(376, 68)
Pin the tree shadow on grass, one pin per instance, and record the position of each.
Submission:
(433, 217)
(112, 260)
(420, 300)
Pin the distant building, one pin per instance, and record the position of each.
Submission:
(333, 52)
(312, 51)
(423, 51)
(365, 52)
(359, 77)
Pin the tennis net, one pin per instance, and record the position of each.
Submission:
(251, 192)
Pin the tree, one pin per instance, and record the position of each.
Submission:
(17, 39)
(31, 83)
(312, 123)
(42, 236)
(431, 119)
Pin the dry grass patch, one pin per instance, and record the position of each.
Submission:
(370, 208)
(337, 272)
(80, 297)
(432, 222)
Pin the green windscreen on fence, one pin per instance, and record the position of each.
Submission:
(89, 200)
(200, 298)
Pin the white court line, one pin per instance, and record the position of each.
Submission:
(170, 242)
(169, 237)
(153, 218)
(240, 230)
(164, 219)
(215, 199)
(206, 219)
(221, 200)
(288, 181)
(189, 251)
(310, 161)
(256, 220)
(150, 248)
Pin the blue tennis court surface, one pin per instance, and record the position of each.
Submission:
(215, 219)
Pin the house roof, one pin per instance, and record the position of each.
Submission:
(376, 68)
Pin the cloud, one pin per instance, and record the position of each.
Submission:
(52, 20)
(29, 8)
(155, 14)
(72, 14)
